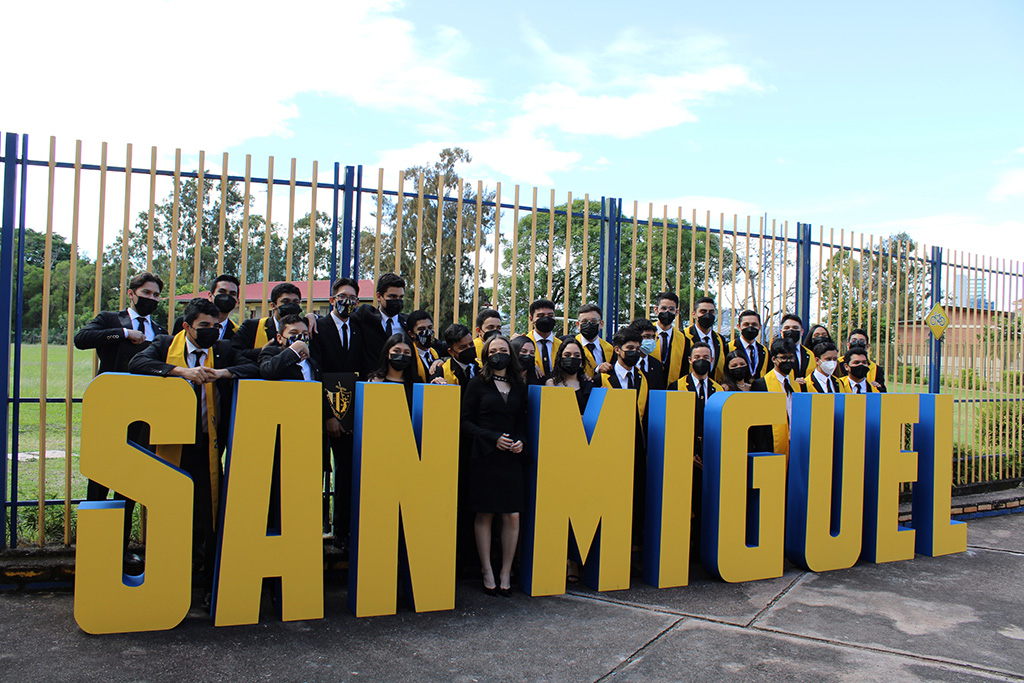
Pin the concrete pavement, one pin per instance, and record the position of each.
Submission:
(956, 618)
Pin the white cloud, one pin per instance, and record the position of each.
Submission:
(1010, 184)
(960, 232)
(208, 75)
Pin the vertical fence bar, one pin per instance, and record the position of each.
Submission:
(732, 304)
(586, 250)
(533, 248)
(721, 258)
(267, 237)
(693, 257)
(663, 283)
(419, 244)
(399, 222)
(821, 254)
(565, 277)
(44, 339)
(706, 278)
(679, 248)
(438, 247)
(7, 275)
(346, 232)
(15, 426)
(121, 293)
(152, 209)
(244, 263)
(476, 250)
(70, 375)
(172, 285)
(289, 274)
(607, 275)
(497, 245)
(98, 281)
(358, 228)
(650, 243)
(380, 216)
(334, 223)
(614, 216)
(551, 246)
(458, 251)
(197, 247)
(515, 263)
(632, 269)
(313, 225)
(222, 218)
(935, 363)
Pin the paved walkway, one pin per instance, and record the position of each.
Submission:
(957, 618)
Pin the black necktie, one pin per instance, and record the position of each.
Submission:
(857, 387)
(590, 347)
(197, 357)
(752, 357)
(630, 383)
(545, 357)
(344, 336)
(700, 392)
(664, 346)
(785, 383)
(140, 325)
(831, 386)
(388, 328)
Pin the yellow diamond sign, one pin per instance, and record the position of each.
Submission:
(937, 320)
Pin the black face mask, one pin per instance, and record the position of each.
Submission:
(666, 317)
(288, 341)
(786, 367)
(144, 305)
(467, 356)
(590, 329)
(424, 338)
(225, 303)
(392, 307)
(749, 333)
(792, 335)
(545, 325)
(399, 361)
(571, 366)
(855, 343)
(739, 374)
(290, 308)
(859, 372)
(491, 333)
(527, 359)
(206, 336)
(701, 366)
(631, 357)
(706, 320)
(499, 361)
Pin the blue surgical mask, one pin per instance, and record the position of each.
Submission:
(648, 346)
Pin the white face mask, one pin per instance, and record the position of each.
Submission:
(827, 367)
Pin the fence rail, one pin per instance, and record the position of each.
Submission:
(461, 246)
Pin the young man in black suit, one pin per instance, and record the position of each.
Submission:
(336, 342)
(212, 366)
(651, 367)
(754, 352)
(224, 295)
(255, 333)
(462, 364)
(377, 323)
(702, 330)
(117, 337)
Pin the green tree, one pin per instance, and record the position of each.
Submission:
(438, 263)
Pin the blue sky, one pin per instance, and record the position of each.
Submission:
(877, 116)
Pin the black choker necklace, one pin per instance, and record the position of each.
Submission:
(499, 378)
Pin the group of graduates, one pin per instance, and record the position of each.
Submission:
(379, 343)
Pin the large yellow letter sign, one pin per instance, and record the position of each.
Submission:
(581, 475)
(825, 501)
(669, 503)
(744, 499)
(106, 600)
(404, 492)
(282, 415)
(887, 466)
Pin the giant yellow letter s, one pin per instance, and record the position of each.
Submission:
(107, 601)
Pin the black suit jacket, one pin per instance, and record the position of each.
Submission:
(105, 333)
(278, 362)
(153, 361)
(370, 328)
(244, 338)
(326, 346)
(228, 333)
(655, 373)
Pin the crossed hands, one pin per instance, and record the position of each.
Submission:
(505, 443)
(203, 374)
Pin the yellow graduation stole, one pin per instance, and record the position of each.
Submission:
(677, 353)
(720, 353)
(589, 362)
(846, 386)
(780, 432)
(688, 385)
(420, 369)
(176, 356)
(449, 375)
(811, 364)
(261, 334)
(479, 344)
(641, 397)
(538, 358)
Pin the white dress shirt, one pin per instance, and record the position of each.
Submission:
(134, 315)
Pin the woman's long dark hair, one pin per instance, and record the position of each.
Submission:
(557, 373)
(514, 371)
(517, 345)
(809, 337)
(728, 383)
(409, 375)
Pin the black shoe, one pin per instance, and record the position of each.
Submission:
(493, 591)
(505, 592)
(133, 564)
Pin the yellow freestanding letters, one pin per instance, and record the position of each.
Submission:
(581, 476)
(825, 500)
(405, 477)
(742, 532)
(887, 466)
(107, 601)
(287, 414)
(669, 488)
(933, 438)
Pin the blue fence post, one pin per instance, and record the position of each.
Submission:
(803, 273)
(616, 251)
(7, 229)
(346, 231)
(334, 223)
(359, 223)
(606, 267)
(935, 348)
(18, 312)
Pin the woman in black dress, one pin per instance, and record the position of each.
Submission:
(568, 372)
(494, 422)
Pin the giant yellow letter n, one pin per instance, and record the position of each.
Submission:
(581, 475)
(107, 601)
(404, 490)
